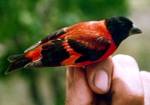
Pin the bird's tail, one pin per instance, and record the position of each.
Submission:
(16, 62)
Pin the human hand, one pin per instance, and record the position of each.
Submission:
(115, 81)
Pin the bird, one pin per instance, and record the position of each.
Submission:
(79, 45)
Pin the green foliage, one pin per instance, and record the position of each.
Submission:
(25, 22)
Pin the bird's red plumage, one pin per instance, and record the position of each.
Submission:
(34, 54)
(84, 32)
(81, 44)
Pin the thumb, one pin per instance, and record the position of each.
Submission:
(99, 76)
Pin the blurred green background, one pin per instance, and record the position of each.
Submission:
(24, 22)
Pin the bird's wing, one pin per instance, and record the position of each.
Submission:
(61, 52)
(90, 50)
(52, 36)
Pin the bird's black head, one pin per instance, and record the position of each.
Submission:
(120, 28)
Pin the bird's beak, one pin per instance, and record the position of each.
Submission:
(135, 30)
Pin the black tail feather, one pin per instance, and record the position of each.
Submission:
(17, 62)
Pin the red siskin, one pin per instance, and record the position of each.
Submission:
(79, 45)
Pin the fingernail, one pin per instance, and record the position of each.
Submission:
(101, 80)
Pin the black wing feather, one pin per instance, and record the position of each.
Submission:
(88, 53)
(54, 35)
(53, 54)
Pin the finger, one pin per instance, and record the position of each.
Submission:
(146, 84)
(78, 91)
(99, 76)
(126, 85)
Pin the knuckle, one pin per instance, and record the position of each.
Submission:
(134, 98)
(122, 95)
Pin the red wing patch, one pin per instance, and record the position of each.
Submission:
(34, 54)
(73, 55)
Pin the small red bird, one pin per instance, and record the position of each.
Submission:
(81, 44)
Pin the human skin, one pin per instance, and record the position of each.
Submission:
(115, 81)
